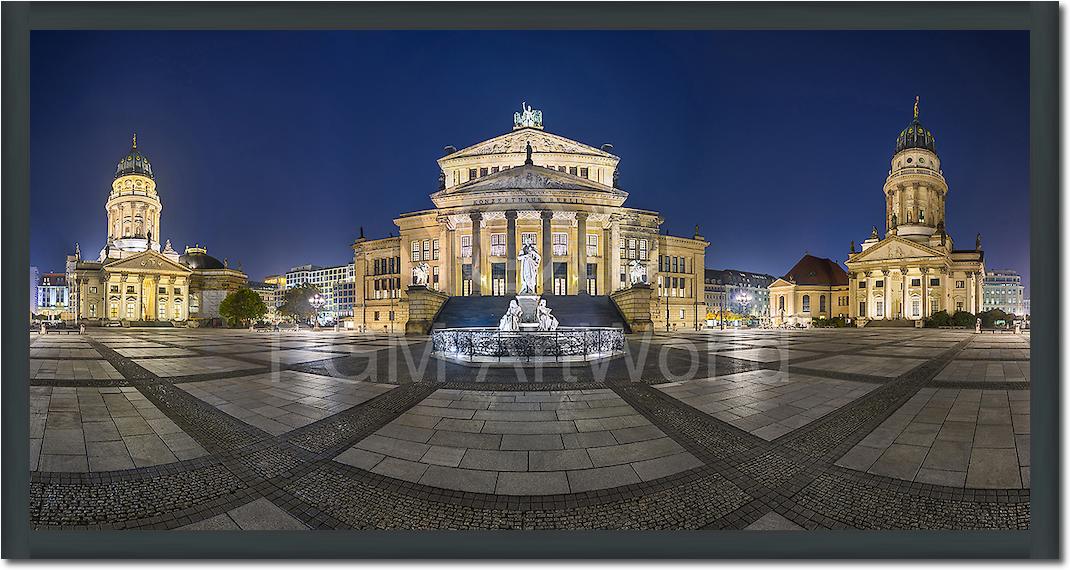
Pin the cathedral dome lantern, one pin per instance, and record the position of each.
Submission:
(915, 135)
(915, 191)
(133, 206)
(134, 162)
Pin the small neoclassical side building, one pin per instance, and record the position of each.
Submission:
(914, 270)
(529, 186)
(815, 287)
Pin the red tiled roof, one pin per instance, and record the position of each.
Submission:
(812, 270)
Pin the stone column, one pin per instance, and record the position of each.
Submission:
(905, 313)
(448, 273)
(547, 253)
(887, 302)
(581, 251)
(613, 253)
(477, 260)
(970, 292)
(925, 293)
(510, 252)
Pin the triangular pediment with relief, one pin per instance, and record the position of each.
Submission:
(780, 282)
(517, 141)
(146, 262)
(894, 247)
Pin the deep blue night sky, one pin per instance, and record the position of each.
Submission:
(272, 148)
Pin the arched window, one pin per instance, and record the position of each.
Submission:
(806, 304)
(821, 304)
(781, 303)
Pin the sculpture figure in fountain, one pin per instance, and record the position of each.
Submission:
(547, 322)
(419, 273)
(636, 272)
(529, 269)
(510, 321)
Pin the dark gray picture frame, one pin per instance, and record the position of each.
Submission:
(1041, 19)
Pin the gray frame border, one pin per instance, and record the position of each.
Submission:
(1041, 19)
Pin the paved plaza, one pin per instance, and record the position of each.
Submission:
(191, 429)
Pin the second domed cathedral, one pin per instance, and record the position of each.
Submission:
(134, 278)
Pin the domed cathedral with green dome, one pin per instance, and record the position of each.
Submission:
(914, 270)
(135, 280)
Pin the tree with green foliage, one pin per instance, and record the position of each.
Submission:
(995, 317)
(939, 319)
(963, 319)
(295, 303)
(242, 306)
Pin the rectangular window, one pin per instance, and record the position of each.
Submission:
(821, 304)
(572, 170)
(497, 279)
(960, 284)
(162, 290)
(434, 249)
(434, 277)
(861, 284)
(493, 169)
(497, 245)
(632, 248)
(958, 306)
(862, 308)
(471, 176)
(415, 251)
(560, 271)
(466, 279)
(560, 241)
(583, 172)
(592, 245)
(482, 172)
(683, 265)
(466, 246)
(376, 315)
(915, 282)
(93, 290)
(642, 249)
(592, 279)
(879, 283)
(527, 238)
(92, 309)
(880, 308)
(129, 289)
(915, 307)
(675, 264)
(934, 282)
(427, 250)
(934, 306)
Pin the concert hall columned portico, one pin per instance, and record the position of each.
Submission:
(528, 186)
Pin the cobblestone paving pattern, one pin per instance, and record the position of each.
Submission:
(752, 429)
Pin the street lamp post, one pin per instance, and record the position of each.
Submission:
(317, 302)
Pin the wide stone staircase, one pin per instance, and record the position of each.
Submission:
(570, 310)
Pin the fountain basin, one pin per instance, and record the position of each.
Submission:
(566, 344)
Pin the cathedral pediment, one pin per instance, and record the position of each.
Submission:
(894, 247)
(517, 141)
(146, 262)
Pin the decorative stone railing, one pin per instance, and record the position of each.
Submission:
(488, 344)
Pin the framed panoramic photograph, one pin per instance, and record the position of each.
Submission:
(481, 280)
